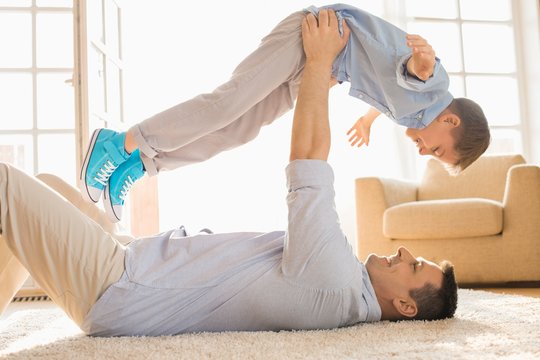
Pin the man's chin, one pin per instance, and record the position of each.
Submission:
(370, 259)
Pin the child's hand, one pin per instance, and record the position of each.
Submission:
(422, 61)
(360, 132)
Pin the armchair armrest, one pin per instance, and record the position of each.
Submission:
(521, 217)
(521, 200)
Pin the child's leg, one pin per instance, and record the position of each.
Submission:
(70, 256)
(261, 88)
(239, 132)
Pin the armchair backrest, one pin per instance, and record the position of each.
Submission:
(485, 178)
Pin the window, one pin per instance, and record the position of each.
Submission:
(37, 116)
(101, 65)
(37, 111)
(475, 40)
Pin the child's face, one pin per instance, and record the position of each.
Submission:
(436, 139)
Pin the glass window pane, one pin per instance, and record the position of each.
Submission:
(505, 141)
(113, 91)
(16, 40)
(96, 81)
(485, 9)
(56, 155)
(489, 48)
(55, 3)
(96, 122)
(16, 3)
(95, 26)
(16, 101)
(17, 150)
(444, 38)
(54, 40)
(498, 96)
(112, 37)
(457, 86)
(444, 9)
(55, 102)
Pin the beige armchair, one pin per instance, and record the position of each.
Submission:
(486, 220)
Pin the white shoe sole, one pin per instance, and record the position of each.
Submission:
(109, 208)
(82, 175)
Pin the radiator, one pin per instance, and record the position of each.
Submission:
(30, 292)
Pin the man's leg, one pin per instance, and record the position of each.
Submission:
(70, 256)
(73, 195)
(12, 275)
(261, 89)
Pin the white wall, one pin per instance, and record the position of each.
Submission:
(529, 43)
(175, 50)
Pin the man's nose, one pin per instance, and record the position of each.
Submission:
(405, 254)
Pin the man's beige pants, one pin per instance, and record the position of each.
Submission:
(66, 244)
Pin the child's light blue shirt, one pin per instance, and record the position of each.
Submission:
(374, 62)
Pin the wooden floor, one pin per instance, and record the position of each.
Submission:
(533, 292)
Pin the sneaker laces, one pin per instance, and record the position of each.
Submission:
(105, 172)
(126, 187)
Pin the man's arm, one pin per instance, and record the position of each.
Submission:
(322, 43)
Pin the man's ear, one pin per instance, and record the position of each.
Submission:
(406, 307)
(450, 119)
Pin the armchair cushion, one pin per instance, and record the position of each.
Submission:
(443, 219)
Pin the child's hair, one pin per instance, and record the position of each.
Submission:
(472, 137)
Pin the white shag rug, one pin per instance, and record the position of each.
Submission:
(486, 326)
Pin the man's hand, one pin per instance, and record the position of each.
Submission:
(422, 61)
(322, 41)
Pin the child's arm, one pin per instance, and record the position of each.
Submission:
(422, 61)
(361, 129)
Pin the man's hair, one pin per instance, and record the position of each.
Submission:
(472, 136)
(437, 303)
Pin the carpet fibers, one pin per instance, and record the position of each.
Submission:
(486, 326)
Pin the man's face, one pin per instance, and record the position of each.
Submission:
(394, 276)
(436, 139)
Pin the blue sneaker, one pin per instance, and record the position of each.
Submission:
(120, 183)
(105, 153)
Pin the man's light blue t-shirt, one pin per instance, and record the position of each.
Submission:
(305, 278)
(374, 62)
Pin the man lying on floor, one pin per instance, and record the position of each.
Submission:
(304, 278)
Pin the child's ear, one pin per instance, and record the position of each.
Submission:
(450, 119)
